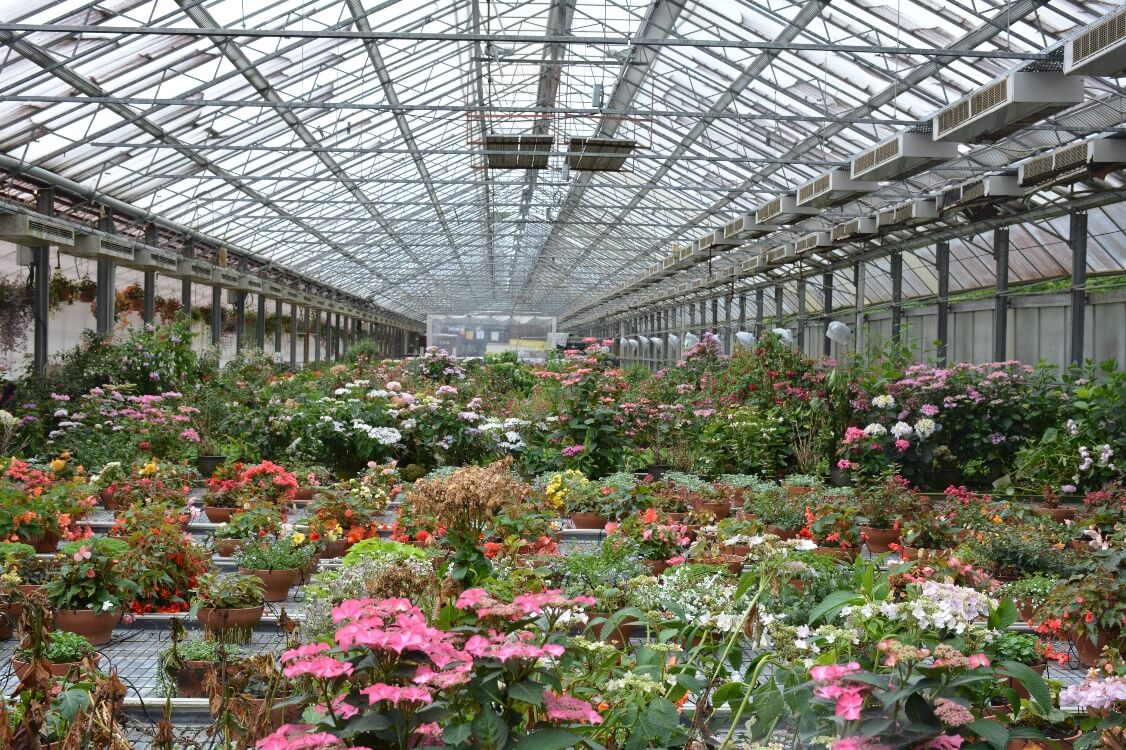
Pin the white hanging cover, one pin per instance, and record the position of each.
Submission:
(658, 343)
(633, 346)
(690, 340)
(744, 339)
(623, 346)
(785, 335)
(839, 333)
(673, 342)
(643, 340)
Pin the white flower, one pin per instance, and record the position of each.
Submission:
(883, 401)
(875, 430)
(925, 427)
(107, 606)
(409, 424)
(901, 430)
(62, 413)
(378, 393)
(7, 420)
(341, 392)
(394, 386)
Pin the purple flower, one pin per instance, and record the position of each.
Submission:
(1068, 489)
(997, 438)
(929, 410)
(573, 450)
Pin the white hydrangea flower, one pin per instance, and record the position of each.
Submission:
(901, 430)
(883, 401)
(925, 427)
(875, 429)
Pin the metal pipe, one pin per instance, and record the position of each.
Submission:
(1078, 308)
(1001, 294)
(942, 270)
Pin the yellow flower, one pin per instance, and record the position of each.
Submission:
(58, 464)
(149, 468)
(298, 539)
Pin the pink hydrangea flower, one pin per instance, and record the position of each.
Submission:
(568, 708)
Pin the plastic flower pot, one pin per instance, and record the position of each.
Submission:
(879, 540)
(277, 582)
(847, 554)
(62, 669)
(96, 626)
(218, 620)
(218, 515)
(588, 520)
(208, 464)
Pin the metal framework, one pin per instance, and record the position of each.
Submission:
(344, 139)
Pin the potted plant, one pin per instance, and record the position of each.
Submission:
(259, 521)
(89, 592)
(833, 527)
(181, 668)
(1028, 593)
(349, 512)
(225, 601)
(64, 650)
(650, 538)
(86, 289)
(129, 299)
(571, 493)
(1089, 609)
(161, 560)
(33, 572)
(277, 563)
(927, 530)
(11, 603)
(1023, 648)
(796, 485)
(884, 504)
(15, 313)
(62, 290)
(1009, 551)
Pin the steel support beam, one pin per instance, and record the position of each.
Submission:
(1077, 238)
(760, 310)
(216, 315)
(860, 280)
(148, 308)
(942, 271)
(896, 261)
(827, 310)
(293, 337)
(1001, 294)
(41, 275)
(104, 304)
(800, 337)
(260, 324)
(186, 283)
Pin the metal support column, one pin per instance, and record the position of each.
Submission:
(896, 298)
(1001, 295)
(216, 314)
(827, 309)
(760, 310)
(319, 327)
(703, 317)
(308, 333)
(743, 311)
(338, 349)
(800, 337)
(186, 283)
(240, 314)
(293, 337)
(260, 325)
(1078, 240)
(779, 304)
(41, 273)
(729, 332)
(148, 309)
(942, 270)
(104, 304)
(277, 327)
(860, 280)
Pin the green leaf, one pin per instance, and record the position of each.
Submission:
(1004, 616)
(365, 722)
(490, 731)
(456, 734)
(528, 692)
(991, 731)
(1031, 681)
(831, 604)
(547, 739)
(766, 708)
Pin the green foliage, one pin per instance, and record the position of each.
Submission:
(62, 647)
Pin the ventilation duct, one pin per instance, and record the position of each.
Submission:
(901, 156)
(1098, 50)
(225, 278)
(195, 270)
(984, 191)
(776, 256)
(164, 262)
(104, 247)
(918, 211)
(865, 226)
(1074, 162)
(1006, 105)
(783, 210)
(832, 189)
(32, 231)
(812, 241)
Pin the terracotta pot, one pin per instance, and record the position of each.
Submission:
(719, 510)
(656, 567)
(1059, 515)
(733, 563)
(218, 515)
(335, 549)
(742, 515)
(228, 547)
(87, 296)
(278, 582)
(879, 540)
(782, 534)
(61, 669)
(29, 589)
(278, 714)
(308, 571)
(908, 553)
(1066, 743)
(1088, 651)
(46, 544)
(797, 583)
(97, 626)
(304, 493)
(847, 555)
(109, 499)
(676, 517)
(217, 620)
(189, 680)
(798, 491)
(739, 550)
(9, 619)
(588, 520)
(1025, 608)
(618, 635)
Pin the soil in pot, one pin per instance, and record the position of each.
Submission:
(588, 520)
(277, 582)
(218, 515)
(97, 626)
(879, 540)
(218, 620)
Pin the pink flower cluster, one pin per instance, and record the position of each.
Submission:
(568, 708)
(298, 737)
(551, 601)
(849, 698)
(310, 660)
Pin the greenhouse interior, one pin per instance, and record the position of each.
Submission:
(563, 374)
